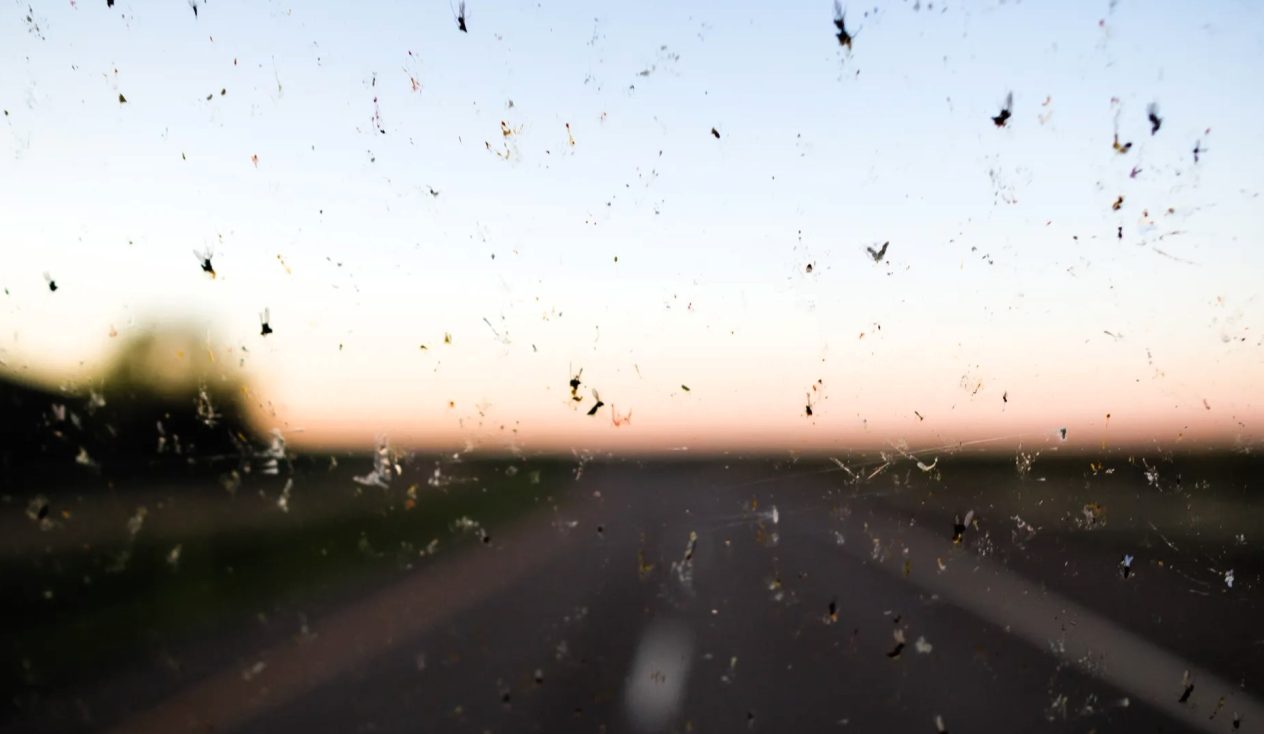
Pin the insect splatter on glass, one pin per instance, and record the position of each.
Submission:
(840, 27)
(1001, 118)
(1152, 114)
(460, 17)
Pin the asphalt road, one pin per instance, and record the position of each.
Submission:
(734, 596)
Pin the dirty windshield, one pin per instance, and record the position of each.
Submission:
(631, 367)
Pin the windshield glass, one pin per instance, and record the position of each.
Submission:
(467, 366)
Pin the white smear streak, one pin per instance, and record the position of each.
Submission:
(283, 502)
(383, 467)
(655, 687)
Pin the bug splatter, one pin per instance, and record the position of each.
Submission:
(840, 27)
(204, 258)
(1187, 684)
(959, 527)
(898, 634)
(1006, 112)
(596, 406)
(1152, 114)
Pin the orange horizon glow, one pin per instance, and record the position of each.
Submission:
(417, 403)
(1126, 431)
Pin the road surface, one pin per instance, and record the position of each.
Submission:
(719, 595)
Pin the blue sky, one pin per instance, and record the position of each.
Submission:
(822, 153)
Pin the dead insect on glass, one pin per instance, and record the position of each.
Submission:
(1152, 114)
(52, 284)
(959, 526)
(879, 253)
(460, 17)
(840, 23)
(593, 410)
(899, 643)
(204, 257)
(1188, 684)
(1006, 112)
(264, 318)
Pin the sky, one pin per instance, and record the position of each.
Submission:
(348, 166)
